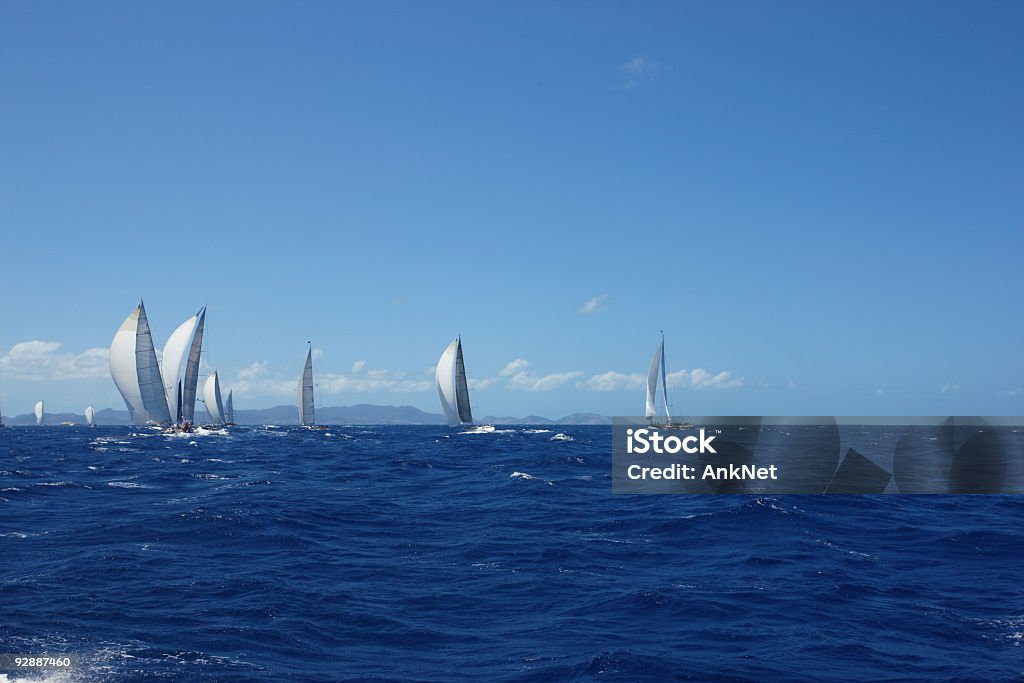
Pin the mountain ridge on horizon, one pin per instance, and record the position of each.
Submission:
(361, 413)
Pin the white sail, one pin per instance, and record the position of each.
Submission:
(445, 376)
(462, 388)
(229, 408)
(652, 381)
(136, 372)
(122, 366)
(307, 412)
(173, 356)
(211, 394)
(190, 383)
(657, 368)
(90, 416)
(39, 413)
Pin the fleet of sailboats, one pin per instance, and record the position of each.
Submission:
(162, 391)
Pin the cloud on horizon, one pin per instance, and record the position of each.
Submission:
(258, 380)
(682, 379)
(36, 361)
(520, 379)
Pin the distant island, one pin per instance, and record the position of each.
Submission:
(362, 413)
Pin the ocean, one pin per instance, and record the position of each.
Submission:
(432, 554)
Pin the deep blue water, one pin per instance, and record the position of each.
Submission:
(421, 553)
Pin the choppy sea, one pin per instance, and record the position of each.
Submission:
(433, 554)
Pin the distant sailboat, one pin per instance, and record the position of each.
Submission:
(39, 413)
(136, 372)
(657, 370)
(90, 416)
(307, 411)
(452, 386)
(211, 395)
(229, 409)
(181, 391)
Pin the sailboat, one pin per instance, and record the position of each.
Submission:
(39, 413)
(229, 409)
(136, 372)
(180, 388)
(452, 386)
(90, 416)
(211, 396)
(650, 409)
(307, 410)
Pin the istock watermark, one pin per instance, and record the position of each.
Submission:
(855, 455)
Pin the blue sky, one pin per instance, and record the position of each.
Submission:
(821, 200)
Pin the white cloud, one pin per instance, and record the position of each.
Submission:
(612, 381)
(514, 367)
(526, 381)
(949, 388)
(879, 392)
(699, 378)
(358, 366)
(257, 369)
(521, 380)
(374, 381)
(258, 380)
(639, 66)
(636, 69)
(317, 354)
(594, 305)
(43, 360)
(792, 385)
(693, 379)
(478, 384)
(1017, 391)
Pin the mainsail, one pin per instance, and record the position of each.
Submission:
(657, 368)
(307, 412)
(452, 387)
(211, 394)
(90, 416)
(174, 354)
(462, 387)
(39, 413)
(136, 372)
(190, 384)
(229, 408)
